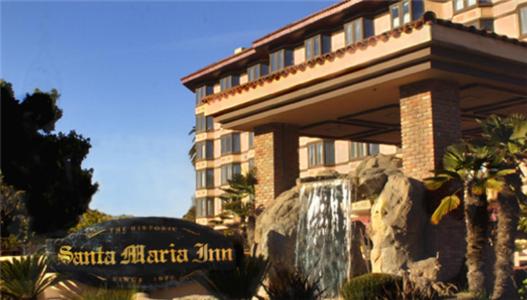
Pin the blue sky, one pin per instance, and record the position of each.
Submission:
(117, 66)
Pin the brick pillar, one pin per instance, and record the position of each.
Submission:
(430, 121)
(276, 160)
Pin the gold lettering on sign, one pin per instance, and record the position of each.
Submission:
(202, 253)
(178, 255)
(98, 257)
(133, 254)
(139, 254)
(65, 256)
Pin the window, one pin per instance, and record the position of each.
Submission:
(251, 139)
(205, 207)
(321, 153)
(228, 82)
(353, 31)
(204, 178)
(205, 150)
(228, 171)
(257, 71)
(522, 14)
(358, 30)
(230, 143)
(280, 59)
(317, 45)
(406, 11)
(358, 150)
(460, 5)
(202, 92)
(204, 123)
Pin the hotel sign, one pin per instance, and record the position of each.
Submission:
(140, 252)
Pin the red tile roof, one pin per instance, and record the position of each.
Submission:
(428, 18)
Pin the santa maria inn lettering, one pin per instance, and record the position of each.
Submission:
(140, 254)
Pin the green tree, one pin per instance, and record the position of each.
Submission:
(507, 139)
(89, 218)
(14, 219)
(46, 165)
(466, 166)
(190, 215)
(238, 197)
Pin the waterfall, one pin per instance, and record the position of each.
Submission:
(323, 235)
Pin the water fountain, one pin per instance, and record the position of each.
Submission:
(323, 233)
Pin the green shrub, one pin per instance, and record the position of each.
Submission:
(372, 286)
(242, 282)
(292, 284)
(108, 294)
(25, 278)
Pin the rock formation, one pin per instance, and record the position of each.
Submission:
(399, 227)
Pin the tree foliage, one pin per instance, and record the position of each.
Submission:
(46, 165)
(190, 215)
(238, 197)
(89, 218)
(485, 166)
(14, 220)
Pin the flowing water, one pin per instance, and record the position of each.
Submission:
(323, 236)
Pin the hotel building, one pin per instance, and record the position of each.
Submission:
(358, 78)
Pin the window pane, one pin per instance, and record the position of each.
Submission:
(523, 19)
(348, 31)
(198, 208)
(236, 143)
(209, 123)
(203, 207)
(308, 46)
(209, 150)
(459, 4)
(311, 154)
(373, 149)
(223, 174)
(274, 62)
(395, 16)
(471, 2)
(358, 30)
(353, 150)
(319, 150)
(329, 153)
(210, 207)
(236, 169)
(210, 178)
(316, 46)
(406, 12)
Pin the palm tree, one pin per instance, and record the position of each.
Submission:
(238, 197)
(507, 137)
(465, 165)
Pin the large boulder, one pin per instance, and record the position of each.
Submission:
(372, 173)
(276, 226)
(397, 227)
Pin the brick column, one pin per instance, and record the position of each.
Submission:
(276, 160)
(430, 121)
